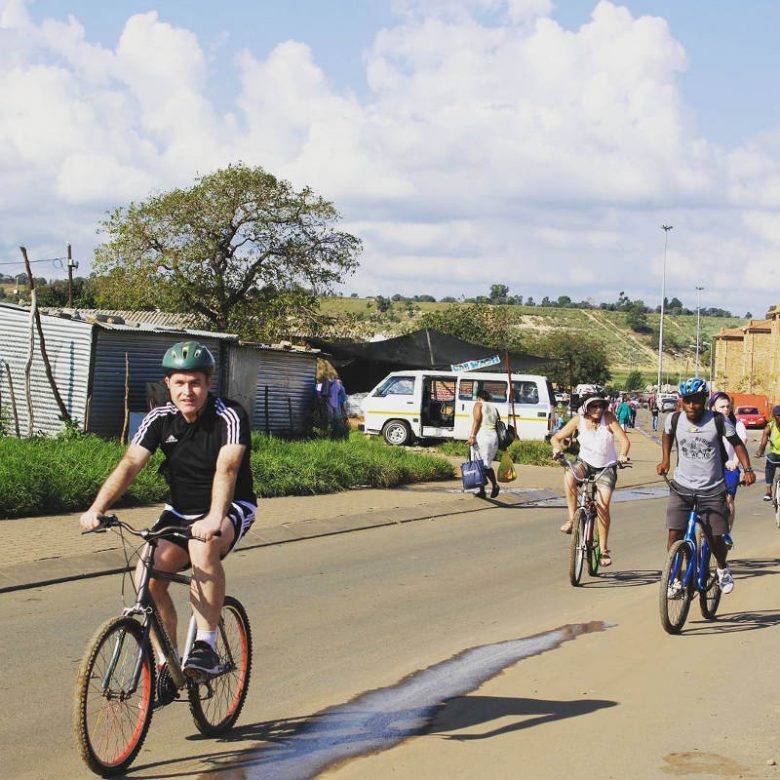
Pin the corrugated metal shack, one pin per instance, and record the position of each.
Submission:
(277, 386)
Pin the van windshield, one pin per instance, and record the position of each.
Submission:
(396, 385)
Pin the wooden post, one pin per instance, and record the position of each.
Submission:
(127, 394)
(13, 397)
(28, 375)
(36, 316)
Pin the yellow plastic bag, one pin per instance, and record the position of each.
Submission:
(506, 469)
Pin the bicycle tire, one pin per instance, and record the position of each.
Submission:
(577, 547)
(709, 598)
(110, 734)
(674, 611)
(776, 497)
(216, 703)
(594, 550)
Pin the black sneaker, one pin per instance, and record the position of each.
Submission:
(202, 660)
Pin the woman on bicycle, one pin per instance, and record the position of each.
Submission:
(598, 432)
(770, 441)
(721, 402)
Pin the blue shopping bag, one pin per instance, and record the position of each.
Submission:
(473, 471)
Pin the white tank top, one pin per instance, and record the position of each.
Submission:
(597, 448)
(489, 417)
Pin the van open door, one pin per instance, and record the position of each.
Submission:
(437, 415)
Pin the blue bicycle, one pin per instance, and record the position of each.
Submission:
(687, 571)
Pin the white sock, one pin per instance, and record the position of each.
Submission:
(207, 636)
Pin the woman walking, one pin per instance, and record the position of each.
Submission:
(484, 435)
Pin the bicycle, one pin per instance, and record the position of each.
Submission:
(119, 686)
(687, 571)
(584, 545)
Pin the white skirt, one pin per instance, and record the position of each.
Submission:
(487, 441)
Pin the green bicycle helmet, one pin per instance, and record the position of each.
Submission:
(188, 356)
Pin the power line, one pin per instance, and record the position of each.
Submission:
(21, 262)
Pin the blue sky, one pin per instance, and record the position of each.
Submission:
(466, 141)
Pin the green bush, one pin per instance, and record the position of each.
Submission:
(45, 476)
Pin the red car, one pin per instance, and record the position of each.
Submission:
(750, 416)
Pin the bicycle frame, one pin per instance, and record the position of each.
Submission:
(696, 571)
(153, 626)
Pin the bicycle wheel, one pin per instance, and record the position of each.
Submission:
(216, 703)
(709, 599)
(594, 551)
(776, 496)
(577, 547)
(674, 598)
(112, 714)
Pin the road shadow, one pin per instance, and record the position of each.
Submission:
(744, 568)
(291, 743)
(733, 622)
(627, 578)
(469, 712)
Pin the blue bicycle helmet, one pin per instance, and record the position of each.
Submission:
(692, 386)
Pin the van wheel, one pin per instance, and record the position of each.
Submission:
(397, 433)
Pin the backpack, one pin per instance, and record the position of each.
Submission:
(720, 427)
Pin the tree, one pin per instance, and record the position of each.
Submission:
(635, 380)
(636, 318)
(578, 359)
(239, 249)
(56, 293)
(493, 326)
(564, 301)
(498, 293)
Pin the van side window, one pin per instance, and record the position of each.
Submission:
(526, 392)
(466, 390)
(397, 385)
(497, 390)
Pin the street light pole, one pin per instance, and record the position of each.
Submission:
(698, 307)
(666, 229)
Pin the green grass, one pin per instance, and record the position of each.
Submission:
(525, 453)
(45, 476)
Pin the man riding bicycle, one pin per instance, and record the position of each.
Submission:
(206, 443)
(699, 471)
(770, 441)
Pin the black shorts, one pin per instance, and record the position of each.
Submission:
(240, 513)
(713, 512)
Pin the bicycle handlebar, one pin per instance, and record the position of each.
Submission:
(566, 463)
(111, 521)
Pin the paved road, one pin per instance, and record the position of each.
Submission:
(338, 616)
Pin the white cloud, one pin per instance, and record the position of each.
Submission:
(493, 144)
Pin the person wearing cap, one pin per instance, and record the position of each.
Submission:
(770, 442)
(598, 432)
(699, 472)
(206, 443)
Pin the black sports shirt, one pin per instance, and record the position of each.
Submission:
(191, 450)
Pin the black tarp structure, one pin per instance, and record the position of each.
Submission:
(362, 365)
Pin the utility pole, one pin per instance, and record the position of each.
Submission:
(698, 320)
(71, 265)
(666, 229)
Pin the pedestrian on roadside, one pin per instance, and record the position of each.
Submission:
(624, 414)
(633, 405)
(485, 436)
(654, 412)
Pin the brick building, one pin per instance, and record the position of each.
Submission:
(747, 359)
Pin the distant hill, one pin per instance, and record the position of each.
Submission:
(627, 349)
